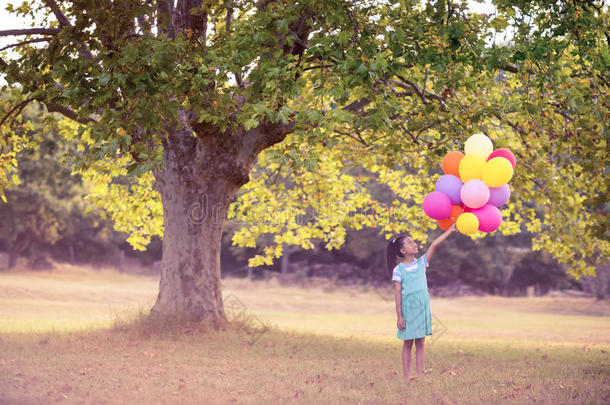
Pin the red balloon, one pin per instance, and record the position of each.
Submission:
(506, 154)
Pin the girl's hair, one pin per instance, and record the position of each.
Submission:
(393, 250)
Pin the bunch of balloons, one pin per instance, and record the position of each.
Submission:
(473, 187)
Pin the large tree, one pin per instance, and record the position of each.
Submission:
(185, 96)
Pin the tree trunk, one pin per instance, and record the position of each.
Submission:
(190, 272)
(285, 261)
(202, 175)
(197, 186)
(12, 258)
(193, 218)
(20, 245)
(121, 261)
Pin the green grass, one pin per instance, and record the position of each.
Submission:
(77, 336)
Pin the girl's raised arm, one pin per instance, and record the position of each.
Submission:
(438, 241)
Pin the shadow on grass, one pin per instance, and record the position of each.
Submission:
(145, 358)
(146, 324)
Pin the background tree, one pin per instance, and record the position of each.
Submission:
(38, 207)
(46, 212)
(184, 96)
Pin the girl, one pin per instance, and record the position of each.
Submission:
(412, 298)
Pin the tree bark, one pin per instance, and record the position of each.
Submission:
(285, 261)
(71, 253)
(193, 218)
(203, 171)
(12, 259)
(197, 185)
(18, 247)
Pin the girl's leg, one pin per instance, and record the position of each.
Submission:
(406, 357)
(419, 355)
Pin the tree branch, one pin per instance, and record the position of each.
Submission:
(198, 22)
(17, 108)
(422, 93)
(508, 67)
(357, 138)
(67, 112)
(30, 31)
(63, 21)
(358, 105)
(406, 131)
(25, 42)
(144, 24)
(228, 21)
(229, 18)
(298, 40)
(165, 19)
(318, 67)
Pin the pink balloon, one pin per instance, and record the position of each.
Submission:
(489, 217)
(437, 205)
(505, 153)
(474, 193)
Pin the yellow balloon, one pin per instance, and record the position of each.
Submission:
(497, 172)
(467, 223)
(471, 167)
(479, 144)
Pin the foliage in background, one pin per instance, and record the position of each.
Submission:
(548, 104)
(48, 210)
(56, 210)
(427, 71)
(41, 205)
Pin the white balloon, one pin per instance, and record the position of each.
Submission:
(479, 144)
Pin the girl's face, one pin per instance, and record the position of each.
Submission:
(409, 247)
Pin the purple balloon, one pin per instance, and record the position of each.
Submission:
(498, 196)
(489, 217)
(450, 185)
(474, 193)
(437, 205)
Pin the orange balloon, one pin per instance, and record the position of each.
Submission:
(451, 163)
(456, 210)
(446, 223)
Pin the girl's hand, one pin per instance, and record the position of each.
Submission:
(401, 323)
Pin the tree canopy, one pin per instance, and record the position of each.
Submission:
(303, 105)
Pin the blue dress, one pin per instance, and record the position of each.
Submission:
(415, 299)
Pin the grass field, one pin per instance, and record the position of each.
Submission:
(78, 336)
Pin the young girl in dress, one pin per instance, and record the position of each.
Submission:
(412, 298)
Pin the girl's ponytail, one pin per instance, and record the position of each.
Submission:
(393, 250)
